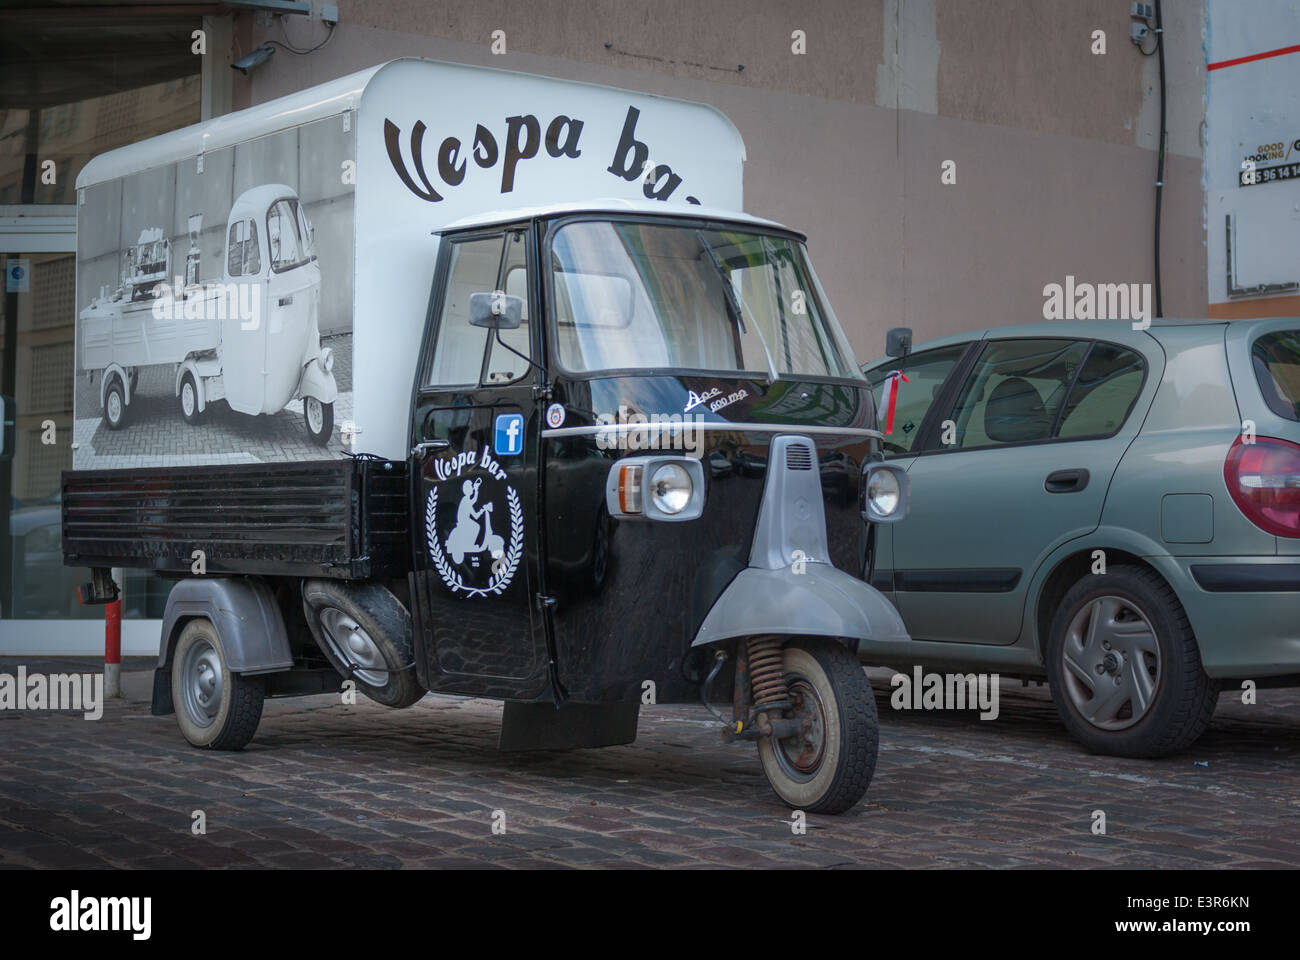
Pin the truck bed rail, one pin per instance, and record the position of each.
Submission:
(334, 518)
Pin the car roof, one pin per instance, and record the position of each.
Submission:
(1119, 330)
(618, 205)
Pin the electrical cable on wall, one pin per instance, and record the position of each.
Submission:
(1160, 156)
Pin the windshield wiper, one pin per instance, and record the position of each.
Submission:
(736, 304)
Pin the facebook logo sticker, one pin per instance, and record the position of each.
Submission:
(509, 440)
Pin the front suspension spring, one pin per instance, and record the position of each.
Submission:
(767, 671)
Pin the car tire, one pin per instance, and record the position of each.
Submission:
(115, 407)
(365, 634)
(829, 682)
(189, 399)
(1124, 666)
(215, 709)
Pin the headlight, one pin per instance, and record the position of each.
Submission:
(327, 359)
(657, 487)
(670, 488)
(884, 493)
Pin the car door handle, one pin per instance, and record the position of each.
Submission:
(428, 446)
(1066, 481)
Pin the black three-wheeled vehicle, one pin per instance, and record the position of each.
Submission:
(643, 469)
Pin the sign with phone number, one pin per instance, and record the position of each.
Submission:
(1253, 176)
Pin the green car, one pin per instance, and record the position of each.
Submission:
(1115, 510)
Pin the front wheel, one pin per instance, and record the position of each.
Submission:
(827, 767)
(319, 418)
(1124, 667)
(190, 399)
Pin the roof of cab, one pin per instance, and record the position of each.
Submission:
(492, 218)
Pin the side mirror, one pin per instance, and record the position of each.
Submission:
(496, 311)
(898, 342)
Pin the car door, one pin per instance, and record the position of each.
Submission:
(243, 342)
(474, 482)
(927, 374)
(1018, 463)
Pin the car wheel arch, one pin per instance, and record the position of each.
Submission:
(1065, 573)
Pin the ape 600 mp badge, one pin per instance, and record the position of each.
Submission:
(478, 551)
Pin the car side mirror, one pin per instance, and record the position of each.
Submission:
(496, 311)
(898, 342)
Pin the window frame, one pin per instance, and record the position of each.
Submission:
(947, 398)
(1291, 416)
(437, 302)
(927, 427)
(545, 276)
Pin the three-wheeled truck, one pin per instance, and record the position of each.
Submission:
(252, 339)
(546, 533)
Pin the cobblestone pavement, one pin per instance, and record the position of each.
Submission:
(155, 433)
(329, 785)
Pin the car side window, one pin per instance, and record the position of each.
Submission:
(926, 373)
(1015, 391)
(458, 351)
(1105, 392)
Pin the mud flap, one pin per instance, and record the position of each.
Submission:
(543, 726)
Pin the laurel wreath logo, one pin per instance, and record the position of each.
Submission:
(503, 567)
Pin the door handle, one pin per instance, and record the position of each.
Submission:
(428, 446)
(1066, 481)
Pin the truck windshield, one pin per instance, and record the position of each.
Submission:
(653, 296)
(288, 235)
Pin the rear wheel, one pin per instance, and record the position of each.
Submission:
(1124, 667)
(365, 633)
(319, 418)
(215, 709)
(115, 404)
(827, 766)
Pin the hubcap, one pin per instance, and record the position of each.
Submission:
(315, 414)
(203, 683)
(800, 756)
(114, 406)
(187, 398)
(352, 646)
(1112, 663)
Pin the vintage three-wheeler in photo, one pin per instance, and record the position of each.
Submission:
(638, 465)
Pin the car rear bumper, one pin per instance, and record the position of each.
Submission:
(1245, 612)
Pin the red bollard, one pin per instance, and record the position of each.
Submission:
(113, 648)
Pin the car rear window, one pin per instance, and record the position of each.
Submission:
(1276, 359)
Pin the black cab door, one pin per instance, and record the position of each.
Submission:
(474, 479)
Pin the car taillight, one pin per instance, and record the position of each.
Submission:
(1264, 480)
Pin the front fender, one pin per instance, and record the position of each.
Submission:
(317, 383)
(821, 601)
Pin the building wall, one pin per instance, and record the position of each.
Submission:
(1053, 144)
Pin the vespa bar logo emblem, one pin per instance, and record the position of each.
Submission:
(523, 138)
(479, 555)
